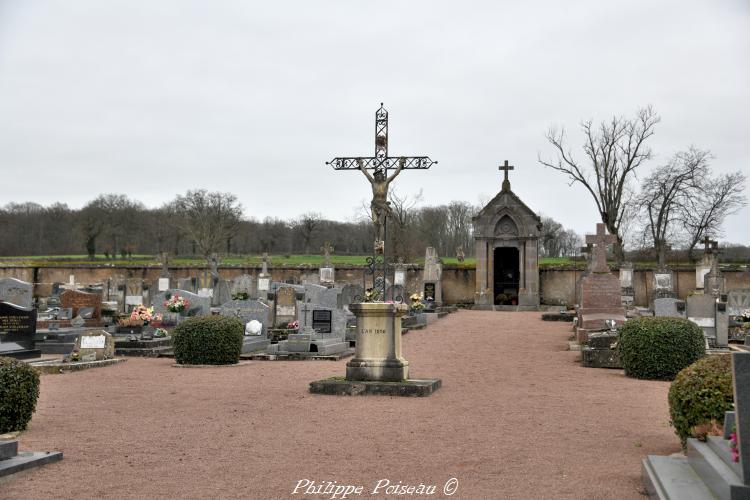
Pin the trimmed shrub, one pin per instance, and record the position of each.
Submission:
(658, 348)
(699, 396)
(19, 390)
(208, 340)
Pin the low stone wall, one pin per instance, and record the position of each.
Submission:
(557, 286)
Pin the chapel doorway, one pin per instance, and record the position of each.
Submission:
(507, 276)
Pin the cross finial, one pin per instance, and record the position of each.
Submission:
(505, 167)
(600, 240)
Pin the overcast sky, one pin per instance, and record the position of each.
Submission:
(152, 98)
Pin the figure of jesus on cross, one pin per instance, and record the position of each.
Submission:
(379, 180)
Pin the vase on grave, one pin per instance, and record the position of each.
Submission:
(378, 349)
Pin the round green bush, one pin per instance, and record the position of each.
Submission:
(208, 340)
(700, 394)
(658, 348)
(19, 390)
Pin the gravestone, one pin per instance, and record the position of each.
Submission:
(714, 282)
(76, 300)
(197, 305)
(247, 311)
(17, 329)
(162, 284)
(331, 298)
(285, 306)
(221, 293)
(205, 284)
(16, 292)
(187, 284)
(264, 278)
(322, 320)
(65, 313)
(99, 343)
(431, 278)
(399, 274)
(738, 301)
(133, 292)
(662, 284)
(702, 310)
(600, 289)
(314, 293)
(243, 284)
(669, 307)
(351, 293)
(327, 272)
(627, 292)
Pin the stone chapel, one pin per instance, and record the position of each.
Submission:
(506, 238)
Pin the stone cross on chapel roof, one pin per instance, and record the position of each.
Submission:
(600, 240)
(505, 167)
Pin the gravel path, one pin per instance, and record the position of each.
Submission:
(517, 417)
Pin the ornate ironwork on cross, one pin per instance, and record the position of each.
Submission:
(381, 163)
(600, 240)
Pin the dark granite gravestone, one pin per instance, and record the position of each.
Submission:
(17, 329)
(322, 320)
(77, 300)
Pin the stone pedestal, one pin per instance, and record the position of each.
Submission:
(600, 301)
(378, 349)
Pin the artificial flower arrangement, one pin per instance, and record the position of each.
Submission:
(140, 316)
(372, 295)
(416, 302)
(160, 333)
(733, 445)
(176, 304)
(241, 296)
(292, 325)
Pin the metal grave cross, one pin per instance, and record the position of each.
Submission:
(600, 240)
(381, 161)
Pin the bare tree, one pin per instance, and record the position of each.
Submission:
(666, 193)
(615, 150)
(555, 240)
(716, 198)
(208, 218)
(401, 218)
(306, 226)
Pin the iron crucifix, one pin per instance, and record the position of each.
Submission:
(381, 163)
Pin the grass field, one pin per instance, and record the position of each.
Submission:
(243, 260)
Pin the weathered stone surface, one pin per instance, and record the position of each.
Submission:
(378, 350)
(16, 292)
(76, 300)
(285, 306)
(101, 344)
(197, 305)
(669, 307)
(408, 388)
(600, 300)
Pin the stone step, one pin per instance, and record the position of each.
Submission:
(143, 344)
(52, 347)
(718, 476)
(670, 478)
(28, 460)
(8, 449)
(147, 352)
(720, 447)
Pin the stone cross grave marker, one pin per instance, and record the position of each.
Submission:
(327, 250)
(505, 168)
(16, 292)
(600, 240)
(133, 292)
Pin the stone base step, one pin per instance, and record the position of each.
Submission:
(669, 478)
(11, 461)
(23, 354)
(148, 352)
(52, 347)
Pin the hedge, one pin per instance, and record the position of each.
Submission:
(208, 340)
(19, 390)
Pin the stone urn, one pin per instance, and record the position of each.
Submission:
(378, 350)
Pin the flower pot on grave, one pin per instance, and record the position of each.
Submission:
(378, 349)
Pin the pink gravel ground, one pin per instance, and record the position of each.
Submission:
(517, 417)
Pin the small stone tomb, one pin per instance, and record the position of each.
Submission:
(99, 343)
(669, 307)
(76, 300)
(285, 306)
(663, 284)
(17, 329)
(16, 292)
(704, 311)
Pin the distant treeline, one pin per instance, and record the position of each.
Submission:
(116, 226)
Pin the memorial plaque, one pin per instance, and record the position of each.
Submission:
(429, 291)
(321, 320)
(133, 300)
(399, 278)
(93, 341)
(285, 309)
(326, 275)
(264, 284)
(163, 284)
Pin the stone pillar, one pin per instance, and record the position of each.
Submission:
(378, 351)
(741, 373)
(480, 297)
